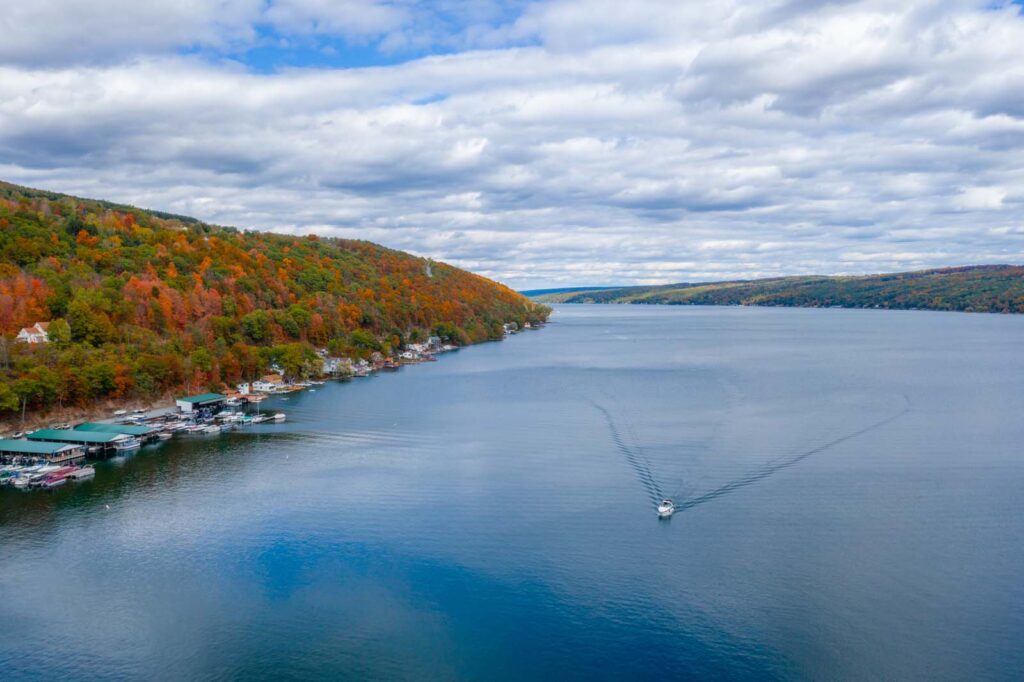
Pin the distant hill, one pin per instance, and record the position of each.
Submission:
(533, 293)
(140, 303)
(979, 288)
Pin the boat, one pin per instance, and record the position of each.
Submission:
(53, 481)
(56, 478)
(666, 509)
(165, 435)
(83, 472)
(279, 417)
(211, 428)
(127, 444)
(120, 413)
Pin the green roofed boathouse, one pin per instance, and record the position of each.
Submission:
(93, 441)
(202, 401)
(58, 453)
(142, 432)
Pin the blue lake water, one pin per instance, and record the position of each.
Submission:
(856, 488)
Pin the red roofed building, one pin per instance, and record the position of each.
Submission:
(34, 334)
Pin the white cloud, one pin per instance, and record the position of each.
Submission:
(674, 141)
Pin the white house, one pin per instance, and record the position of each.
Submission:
(264, 386)
(34, 334)
(336, 365)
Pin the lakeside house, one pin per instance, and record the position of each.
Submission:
(336, 365)
(34, 334)
(270, 383)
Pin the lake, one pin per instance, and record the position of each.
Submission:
(851, 485)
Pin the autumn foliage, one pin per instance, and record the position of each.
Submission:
(155, 302)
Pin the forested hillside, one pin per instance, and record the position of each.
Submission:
(983, 288)
(141, 303)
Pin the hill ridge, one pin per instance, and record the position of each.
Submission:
(966, 288)
(145, 302)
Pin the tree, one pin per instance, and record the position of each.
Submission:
(256, 326)
(89, 325)
(59, 333)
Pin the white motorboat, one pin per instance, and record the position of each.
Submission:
(82, 472)
(165, 435)
(279, 417)
(128, 444)
(666, 509)
(211, 428)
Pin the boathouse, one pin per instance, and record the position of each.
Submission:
(204, 401)
(58, 453)
(143, 433)
(89, 439)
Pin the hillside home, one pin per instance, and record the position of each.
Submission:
(34, 334)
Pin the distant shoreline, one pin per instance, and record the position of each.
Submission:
(977, 288)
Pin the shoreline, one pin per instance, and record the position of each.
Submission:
(104, 411)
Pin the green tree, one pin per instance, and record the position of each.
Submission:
(59, 333)
(256, 326)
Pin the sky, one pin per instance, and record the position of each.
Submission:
(544, 144)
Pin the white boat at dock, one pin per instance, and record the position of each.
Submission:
(279, 417)
(82, 473)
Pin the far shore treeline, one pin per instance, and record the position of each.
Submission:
(140, 304)
(977, 288)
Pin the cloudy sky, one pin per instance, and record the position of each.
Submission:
(549, 143)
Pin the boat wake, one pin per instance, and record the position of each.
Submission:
(634, 456)
(642, 467)
(772, 468)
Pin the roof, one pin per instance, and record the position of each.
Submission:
(29, 447)
(203, 398)
(73, 436)
(129, 429)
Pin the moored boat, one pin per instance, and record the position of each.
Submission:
(279, 417)
(82, 472)
(56, 478)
